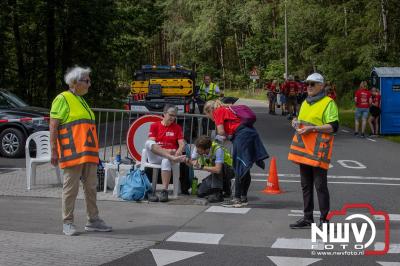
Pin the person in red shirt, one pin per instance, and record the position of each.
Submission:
(375, 111)
(362, 99)
(272, 93)
(330, 90)
(165, 146)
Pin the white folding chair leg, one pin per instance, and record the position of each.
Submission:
(33, 173)
(105, 178)
(28, 176)
(176, 176)
(58, 173)
(154, 180)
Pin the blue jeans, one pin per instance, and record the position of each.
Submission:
(361, 112)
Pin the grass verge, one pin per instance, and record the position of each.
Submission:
(346, 118)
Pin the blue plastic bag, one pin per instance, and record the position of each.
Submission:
(134, 186)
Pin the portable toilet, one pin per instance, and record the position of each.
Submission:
(387, 79)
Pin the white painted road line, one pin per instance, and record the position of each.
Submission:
(392, 217)
(290, 261)
(336, 177)
(393, 248)
(334, 182)
(198, 238)
(371, 140)
(220, 209)
(345, 131)
(166, 256)
(387, 263)
(297, 243)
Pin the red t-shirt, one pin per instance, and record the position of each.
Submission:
(376, 100)
(224, 116)
(271, 87)
(290, 88)
(166, 136)
(362, 96)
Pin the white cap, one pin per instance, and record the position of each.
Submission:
(316, 77)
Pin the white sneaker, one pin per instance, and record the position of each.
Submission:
(97, 225)
(70, 230)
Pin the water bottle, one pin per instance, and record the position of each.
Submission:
(195, 182)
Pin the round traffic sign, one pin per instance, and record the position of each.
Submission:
(138, 133)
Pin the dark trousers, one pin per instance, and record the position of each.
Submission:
(217, 182)
(310, 177)
(242, 185)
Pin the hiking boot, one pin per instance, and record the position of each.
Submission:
(97, 225)
(301, 224)
(164, 195)
(216, 197)
(243, 201)
(153, 198)
(232, 203)
(70, 230)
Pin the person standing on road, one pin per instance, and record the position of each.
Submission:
(363, 100)
(311, 148)
(247, 147)
(272, 93)
(74, 148)
(375, 111)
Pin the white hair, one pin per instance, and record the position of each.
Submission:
(74, 74)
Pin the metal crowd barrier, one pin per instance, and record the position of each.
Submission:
(113, 125)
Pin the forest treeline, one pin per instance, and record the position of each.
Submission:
(342, 39)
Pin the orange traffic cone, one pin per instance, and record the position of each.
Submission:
(273, 181)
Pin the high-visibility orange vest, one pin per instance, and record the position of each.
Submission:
(314, 148)
(77, 136)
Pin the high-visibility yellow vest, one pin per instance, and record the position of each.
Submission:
(211, 94)
(211, 161)
(314, 148)
(77, 135)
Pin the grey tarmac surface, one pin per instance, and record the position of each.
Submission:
(251, 238)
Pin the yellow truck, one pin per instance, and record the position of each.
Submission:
(154, 86)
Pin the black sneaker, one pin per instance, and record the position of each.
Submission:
(226, 194)
(323, 221)
(243, 201)
(362, 135)
(216, 197)
(301, 224)
(153, 198)
(232, 203)
(355, 134)
(164, 195)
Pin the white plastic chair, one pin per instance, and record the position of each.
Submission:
(175, 173)
(43, 155)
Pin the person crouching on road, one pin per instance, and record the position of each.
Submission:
(247, 148)
(165, 146)
(311, 148)
(212, 157)
(74, 148)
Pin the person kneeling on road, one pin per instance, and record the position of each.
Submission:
(209, 156)
(165, 146)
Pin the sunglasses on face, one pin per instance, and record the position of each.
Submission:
(312, 84)
(87, 81)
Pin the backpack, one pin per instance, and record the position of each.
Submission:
(246, 115)
(134, 186)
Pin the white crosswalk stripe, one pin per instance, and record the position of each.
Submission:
(297, 243)
(220, 209)
(290, 261)
(198, 238)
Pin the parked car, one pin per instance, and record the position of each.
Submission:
(13, 135)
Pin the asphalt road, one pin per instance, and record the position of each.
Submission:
(363, 171)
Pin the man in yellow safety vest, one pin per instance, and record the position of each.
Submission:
(75, 148)
(311, 148)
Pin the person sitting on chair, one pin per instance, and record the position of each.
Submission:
(165, 146)
(210, 156)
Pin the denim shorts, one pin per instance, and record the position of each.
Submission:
(361, 112)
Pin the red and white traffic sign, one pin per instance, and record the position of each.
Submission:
(138, 133)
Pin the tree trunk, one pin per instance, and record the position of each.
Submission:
(221, 49)
(345, 21)
(384, 13)
(51, 57)
(18, 47)
(237, 53)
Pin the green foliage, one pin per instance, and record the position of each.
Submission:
(341, 39)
